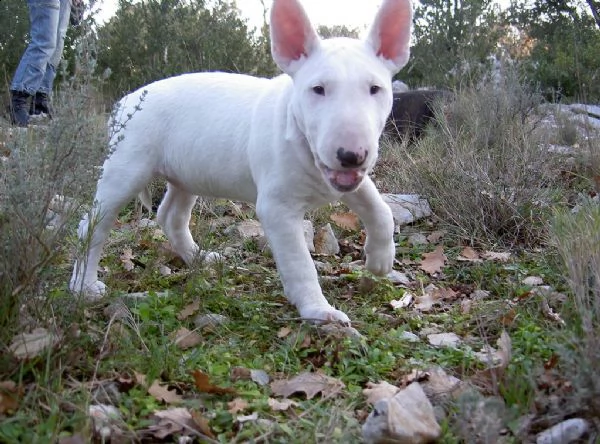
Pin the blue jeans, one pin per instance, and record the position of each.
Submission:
(49, 20)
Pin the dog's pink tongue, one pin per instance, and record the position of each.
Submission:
(345, 180)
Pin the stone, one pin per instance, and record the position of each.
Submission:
(563, 433)
(309, 235)
(409, 336)
(398, 278)
(325, 241)
(417, 239)
(407, 417)
(444, 340)
(407, 208)
(249, 229)
(210, 321)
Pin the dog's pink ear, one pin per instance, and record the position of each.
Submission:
(292, 35)
(390, 33)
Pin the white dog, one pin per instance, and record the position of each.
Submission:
(288, 144)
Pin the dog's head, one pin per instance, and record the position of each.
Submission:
(342, 87)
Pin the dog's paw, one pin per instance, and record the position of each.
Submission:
(324, 314)
(380, 261)
(91, 292)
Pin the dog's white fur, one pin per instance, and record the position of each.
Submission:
(288, 144)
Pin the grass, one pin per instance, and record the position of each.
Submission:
(105, 347)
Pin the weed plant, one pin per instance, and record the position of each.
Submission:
(486, 173)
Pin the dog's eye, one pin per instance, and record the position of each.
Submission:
(320, 90)
(375, 89)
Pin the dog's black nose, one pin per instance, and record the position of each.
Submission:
(350, 159)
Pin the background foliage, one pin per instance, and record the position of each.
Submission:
(556, 44)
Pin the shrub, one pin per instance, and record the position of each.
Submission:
(47, 171)
(486, 173)
(576, 235)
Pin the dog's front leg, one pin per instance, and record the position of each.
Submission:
(377, 217)
(284, 231)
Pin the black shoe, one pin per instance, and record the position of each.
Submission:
(19, 108)
(40, 105)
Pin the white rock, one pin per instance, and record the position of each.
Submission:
(417, 239)
(564, 432)
(210, 320)
(104, 417)
(533, 281)
(408, 418)
(478, 295)
(407, 208)
(325, 241)
(409, 336)
(399, 86)
(444, 340)
(249, 228)
(398, 278)
(309, 235)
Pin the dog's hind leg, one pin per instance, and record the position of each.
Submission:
(174, 214)
(118, 185)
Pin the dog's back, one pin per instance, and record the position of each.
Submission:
(168, 125)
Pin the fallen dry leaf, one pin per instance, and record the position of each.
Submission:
(126, 259)
(425, 303)
(185, 338)
(283, 332)
(465, 306)
(504, 349)
(140, 379)
(261, 377)
(308, 383)
(403, 302)
(433, 295)
(468, 254)
(171, 421)
(237, 405)
(162, 393)
(280, 406)
(495, 256)
(436, 236)
(487, 380)
(247, 418)
(188, 310)
(77, 438)
(376, 391)
(347, 221)
(9, 397)
(30, 345)
(550, 313)
(433, 262)
(203, 384)
(203, 424)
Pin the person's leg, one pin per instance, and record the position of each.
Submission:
(41, 101)
(44, 18)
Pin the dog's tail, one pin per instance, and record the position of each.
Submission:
(146, 198)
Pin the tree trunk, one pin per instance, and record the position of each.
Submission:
(595, 7)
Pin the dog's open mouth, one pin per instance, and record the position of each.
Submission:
(343, 180)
